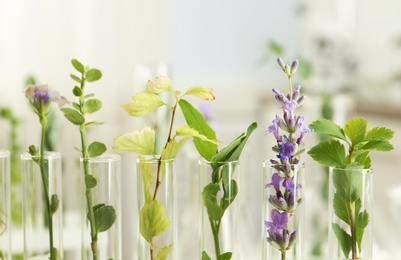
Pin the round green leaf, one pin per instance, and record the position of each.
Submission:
(90, 181)
(73, 116)
(78, 65)
(54, 203)
(77, 91)
(96, 149)
(105, 216)
(92, 105)
(93, 75)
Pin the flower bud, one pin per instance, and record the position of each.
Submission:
(287, 70)
(297, 93)
(294, 67)
(281, 63)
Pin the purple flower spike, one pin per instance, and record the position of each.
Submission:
(286, 150)
(302, 128)
(279, 220)
(288, 183)
(276, 179)
(275, 128)
(290, 106)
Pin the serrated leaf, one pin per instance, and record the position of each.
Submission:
(143, 104)
(73, 116)
(54, 202)
(344, 239)
(147, 177)
(163, 254)
(90, 181)
(77, 91)
(341, 208)
(203, 93)
(362, 220)
(362, 157)
(232, 152)
(136, 142)
(173, 147)
(159, 85)
(78, 65)
(75, 78)
(356, 129)
(329, 153)
(209, 197)
(96, 149)
(153, 220)
(105, 216)
(93, 75)
(327, 127)
(205, 256)
(196, 121)
(349, 183)
(379, 134)
(92, 105)
(190, 132)
(382, 146)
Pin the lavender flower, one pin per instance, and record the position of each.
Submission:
(41, 93)
(274, 128)
(279, 221)
(279, 236)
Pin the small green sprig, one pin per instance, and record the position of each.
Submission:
(101, 216)
(153, 220)
(347, 200)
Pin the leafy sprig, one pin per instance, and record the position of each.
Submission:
(347, 200)
(101, 216)
(152, 217)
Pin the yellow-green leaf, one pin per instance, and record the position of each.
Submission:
(163, 254)
(153, 220)
(143, 104)
(173, 147)
(136, 142)
(356, 129)
(188, 131)
(159, 85)
(147, 177)
(201, 92)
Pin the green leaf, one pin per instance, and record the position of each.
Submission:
(136, 142)
(230, 188)
(173, 147)
(379, 134)
(341, 208)
(93, 75)
(327, 127)
(329, 153)
(349, 183)
(205, 256)
(73, 116)
(92, 105)
(54, 202)
(78, 65)
(209, 196)
(76, 106)
(382, 146)
(147, 177)
(56, 254)
(159, 85)
(190, 132)
(163, 254)
(93, 123)
(77, 91)
(344, 239)
(225, 256)
(75, 78)
(90, 181)
(105, 216)
(196, 121)
(96, 149)
(203, 93)
(233, 151)
(362, 220)
(153, 220)
(143, 104)
(356, 129)
(362, 157)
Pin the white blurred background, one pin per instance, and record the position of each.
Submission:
(352, 49)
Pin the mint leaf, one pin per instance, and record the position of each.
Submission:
(196, 121)
(356, 129)
(379, 134)
(329, 153)
(326, 127)
(344, 239)
(209, 197)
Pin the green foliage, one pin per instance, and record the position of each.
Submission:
(96, 149)
(153, 220)
(73, 116)
(54, 202)
(209, 197)
(90, 181)
(92, 105)
(349, 182)
(105, 216)
(163, 254)
(205, 256)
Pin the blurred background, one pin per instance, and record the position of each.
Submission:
(350, 55)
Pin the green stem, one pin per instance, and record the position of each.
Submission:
(215, 230)
(88, 191)
(289, 83)
(45, 187)
(353, 232)
(283, 255)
